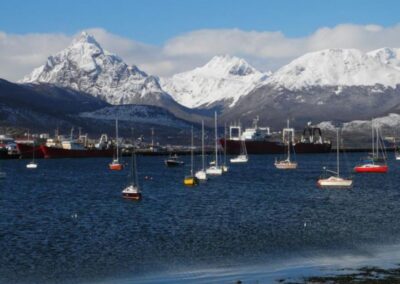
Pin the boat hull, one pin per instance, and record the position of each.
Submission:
(172, 163)
(26, 151)
(190, 181)
(286, 166)
(233, 147)
(334, 182)
(380, 169)
(57, 153)
(215, 171)
(201, 175)
(132, 196)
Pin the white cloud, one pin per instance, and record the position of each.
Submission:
(266, 50)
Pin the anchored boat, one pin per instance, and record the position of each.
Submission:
(201, 174)
(335, 181)
(215, 169)
(374, 163)
(288, 139)
(115, 165)
(132, 191)
(191, 180)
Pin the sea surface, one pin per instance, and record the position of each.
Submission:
(67, 223)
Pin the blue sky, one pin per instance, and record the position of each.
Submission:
(156, 21)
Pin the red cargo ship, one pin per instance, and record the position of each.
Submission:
(259, 141)
(26, 151)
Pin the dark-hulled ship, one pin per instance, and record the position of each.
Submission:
(259, 140)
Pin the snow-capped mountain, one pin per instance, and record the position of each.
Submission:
(86, 67)
(223, 80)
(340, 67)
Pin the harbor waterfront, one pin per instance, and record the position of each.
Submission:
(67, 223)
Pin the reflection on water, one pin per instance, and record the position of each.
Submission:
(66, 222)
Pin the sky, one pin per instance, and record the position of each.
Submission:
(164, 37)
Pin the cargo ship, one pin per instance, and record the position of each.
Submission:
(259, 140)
(26, 148)
(69, 148)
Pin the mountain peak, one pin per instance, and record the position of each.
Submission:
(229, 65)
(85, 37)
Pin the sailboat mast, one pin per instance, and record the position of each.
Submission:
(116, 135)
(337, 151)
(288, 141)
(225, 144)
(216, 142)
(202, 144)
(191, 155)
(372, 134)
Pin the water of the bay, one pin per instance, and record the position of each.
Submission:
(66, 222)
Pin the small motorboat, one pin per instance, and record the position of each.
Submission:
(173, 161)
(31, 165)
(240, 159)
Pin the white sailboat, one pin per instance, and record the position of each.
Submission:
(215, 169)
(225, 167)
(202, 175)
(287, 164)
(243, 157)
(132, 191)
(335, 181)
(32, 164)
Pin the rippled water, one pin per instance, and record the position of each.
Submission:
(67, 223)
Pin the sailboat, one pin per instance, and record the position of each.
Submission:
(191, 180)
(32, 164)
(201, 174)
(335, 181)
(243, 157)
(225, 168)
(374, 163)
(215, 169)
(115, 164)
(132, 191)
(287, 164)
(396, 151)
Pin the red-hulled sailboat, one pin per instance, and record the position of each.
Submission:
(374, 163)
(115, 165)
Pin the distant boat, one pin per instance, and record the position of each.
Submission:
(115, 164)
(287, 164)
(201, 174)
(32, 164)
(396, 151)
(225, 167)
(132, 191)
(243, 157)
(335, 181)
(374, 163)
(191, 180)
(173, 161)
(215, 169)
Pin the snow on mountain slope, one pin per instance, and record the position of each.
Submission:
(137, 114)
(387, 55)
(222, 79)
(337, 67)
(86, 67)
(392, 120)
